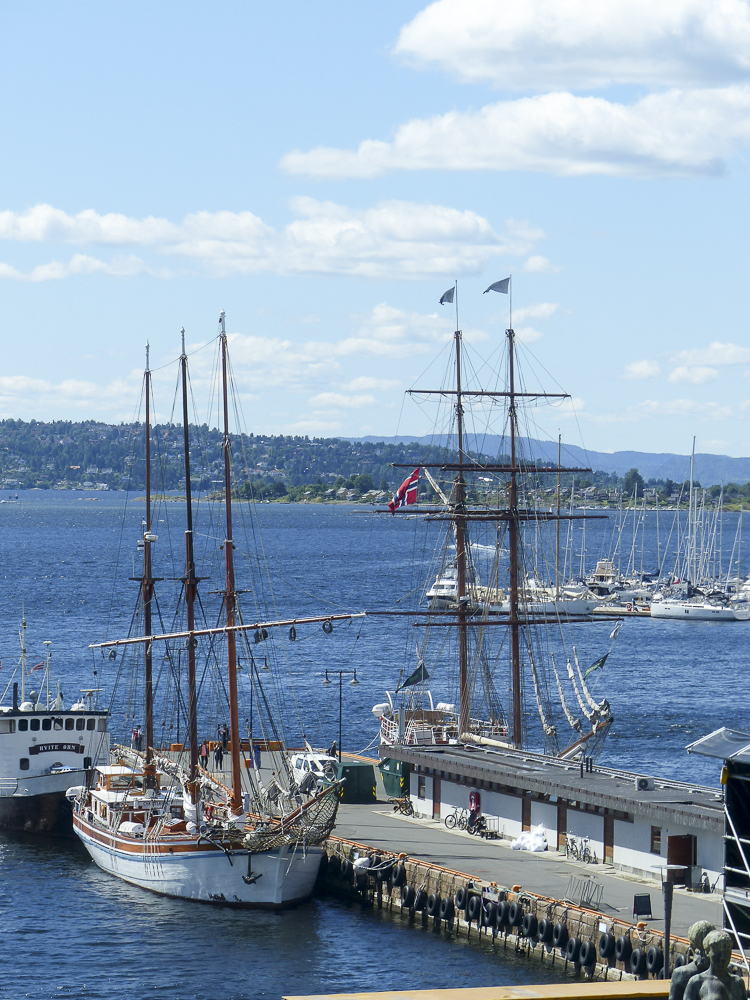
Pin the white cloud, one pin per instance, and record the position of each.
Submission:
(539, 265)
(364, 382)
(527, 334)
(674, 132)
(642, 369)
(541, 310)
(715, 354)
(335, 400)
(681, 408)
(394, 239)
(540, 44)
(21, 394)
(697, 375)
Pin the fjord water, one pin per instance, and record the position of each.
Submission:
(65, 559)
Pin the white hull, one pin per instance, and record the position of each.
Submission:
(689, 611)
(197, 872)
(564, 606)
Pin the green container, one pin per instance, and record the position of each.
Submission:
(395, 775)
(360, 782)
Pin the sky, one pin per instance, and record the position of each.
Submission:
(324, 171)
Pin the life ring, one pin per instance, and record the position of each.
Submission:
(407, 895)
(607, 946)
(420, 900)
(515, 914)
(573, 949)
(545, 930)
(433, 904)
(530, 925)
(654, 960)
(446, 908)
(474, 908)
(587, 954)
(638, 962)
(461, 897)
(328, 626)
(560, 936)
(623, 948)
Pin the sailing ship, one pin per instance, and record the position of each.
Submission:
(44, 748)
(475, 614)
(179, 830)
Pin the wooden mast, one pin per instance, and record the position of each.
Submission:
(147, 581)
(190, 580)
(230, 596)
(513, 533)
(464, 713)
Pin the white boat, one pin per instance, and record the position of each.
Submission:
(700, 609)
(44, 748)
(180, 831)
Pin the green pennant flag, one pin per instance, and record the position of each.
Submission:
(596, 665)
(420, 674)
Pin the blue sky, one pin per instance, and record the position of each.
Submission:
(324, 171)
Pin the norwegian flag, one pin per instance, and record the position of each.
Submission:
(406, 494)
(39, 666)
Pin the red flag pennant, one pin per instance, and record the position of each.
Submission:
(406, 494)
(39, 666)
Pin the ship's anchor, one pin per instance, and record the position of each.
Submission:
(251, 879)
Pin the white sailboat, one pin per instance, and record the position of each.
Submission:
(179, 831)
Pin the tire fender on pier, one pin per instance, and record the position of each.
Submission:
(433, 904)
(560, 936)
(545, 931)
(489, 913)
(654, 960)
(573, 949)
(587, 954)
(638, 962)
(607, 946)
(530, 925)
(623, 948)
(515, 915)
(462, 894)
(399, 875)
(447, 908)
(408, 895)
(474, 908)
(420, 900)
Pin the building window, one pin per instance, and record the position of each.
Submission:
(23, 764)
(46, 724)
(656, 840)
(421, 787)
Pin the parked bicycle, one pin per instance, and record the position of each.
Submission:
(402, 805)
(580, 850)
(458, 818)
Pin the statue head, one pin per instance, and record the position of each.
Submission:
(697, 933)
(718, 944)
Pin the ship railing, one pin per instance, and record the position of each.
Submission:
(8, 786)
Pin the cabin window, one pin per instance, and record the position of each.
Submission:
(80, 724)
(58, 723)
(656, 840)
(23, 764)
(70, 723)
(34, 725)
(46, 724)
(23, 725)
(91, 724)
(101, 725)
(421, 787)
(7, 725)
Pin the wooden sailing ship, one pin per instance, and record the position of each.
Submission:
(178, 830)
(411, 715)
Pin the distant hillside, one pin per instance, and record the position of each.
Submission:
(709, 469)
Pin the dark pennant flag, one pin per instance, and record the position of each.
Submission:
(498, 286)
(447, 296)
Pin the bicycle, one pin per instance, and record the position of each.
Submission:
(458, 818)
(588, 855)
(402, 805)
(571, 848)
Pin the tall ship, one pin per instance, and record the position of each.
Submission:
(45, 747)
(497, 634)
(160, 818)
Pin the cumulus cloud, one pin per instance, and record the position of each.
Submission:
(540, 310)
(22, 394)
(715, 354)
(698, 375)
(364, 382)
(642, 369)
(548, 44)
(678, 132)
(393, 239)
(336, 400)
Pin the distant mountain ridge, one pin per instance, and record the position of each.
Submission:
(709, 469)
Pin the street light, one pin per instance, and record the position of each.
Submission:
(327, 683)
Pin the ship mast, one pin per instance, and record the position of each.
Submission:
(230, 594)
(464, 707)
(190, 580)
(513, 533)
(147, 580)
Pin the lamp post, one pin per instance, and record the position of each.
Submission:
(327, 683)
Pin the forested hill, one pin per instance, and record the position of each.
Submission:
(66, 454)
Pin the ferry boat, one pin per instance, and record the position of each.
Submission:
(45, 748)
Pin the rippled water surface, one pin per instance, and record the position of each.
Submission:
(65, 558)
